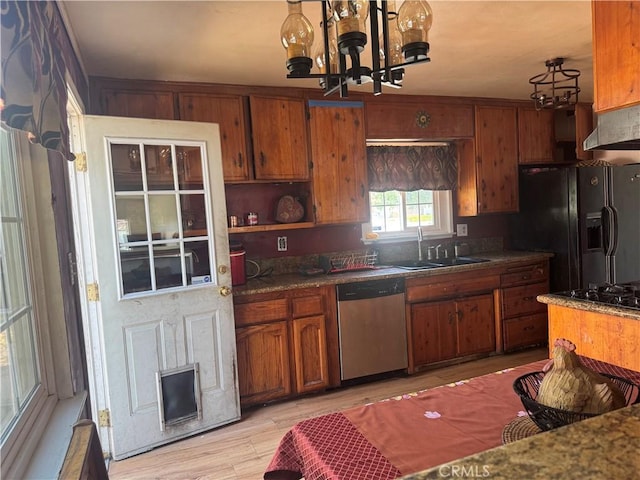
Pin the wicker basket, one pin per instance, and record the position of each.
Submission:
(548, 418)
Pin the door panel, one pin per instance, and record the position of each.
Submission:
(150, 334)
(591, 200)
(625, 198)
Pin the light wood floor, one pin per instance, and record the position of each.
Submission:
(242, 451)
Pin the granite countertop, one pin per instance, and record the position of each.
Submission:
(604, 447)
(588, 305)
(295, 280)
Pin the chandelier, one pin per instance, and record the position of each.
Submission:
(556, 88)
(399, 38)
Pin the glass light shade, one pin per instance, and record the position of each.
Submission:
(395, 43)
(296, 32)
(351, 15)
(333, 51)
(414, 21)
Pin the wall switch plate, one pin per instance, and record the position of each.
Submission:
(461, 230)
(282, 244)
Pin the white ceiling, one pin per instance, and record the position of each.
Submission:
(478, 48)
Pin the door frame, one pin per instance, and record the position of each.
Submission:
(87, 274)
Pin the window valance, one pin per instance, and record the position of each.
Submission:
(409, 168)
(33, 96)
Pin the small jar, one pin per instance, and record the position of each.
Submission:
(252, 218)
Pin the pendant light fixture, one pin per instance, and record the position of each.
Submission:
(396, 39)
(557, 87)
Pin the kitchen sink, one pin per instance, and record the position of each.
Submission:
(448, 262)
(416, 264)
(441, 262)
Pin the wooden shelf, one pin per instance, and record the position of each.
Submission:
(271, 226)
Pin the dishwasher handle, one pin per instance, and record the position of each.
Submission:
(369, 289)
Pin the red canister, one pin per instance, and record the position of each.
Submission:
(237, 254)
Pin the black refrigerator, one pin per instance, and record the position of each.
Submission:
(588, 217)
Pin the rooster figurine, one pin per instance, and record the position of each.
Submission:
(569, 385)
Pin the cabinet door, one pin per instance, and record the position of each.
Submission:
(228, 113)
(279, 130)
(496, 158)
(338, 147)
(310, 353)
(535, 135)
(156, 104)
(616, 56)
(263, 362)
(476, 325)
(433, 332)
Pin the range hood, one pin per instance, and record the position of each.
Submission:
(616, 130)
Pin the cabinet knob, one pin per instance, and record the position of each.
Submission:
(225, 291)
(222, 269)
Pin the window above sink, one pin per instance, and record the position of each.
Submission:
(396, 216)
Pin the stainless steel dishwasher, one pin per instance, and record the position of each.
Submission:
(371, 327)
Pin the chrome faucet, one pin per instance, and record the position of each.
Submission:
(419, 244)
(440, 247)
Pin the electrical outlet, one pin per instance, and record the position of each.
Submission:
(282, 244)
(461, 230)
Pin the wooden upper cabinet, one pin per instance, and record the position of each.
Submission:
(229, 113)
(616, 54)
(535, 135)
(417, 120)
(338, 148)
(279, 131)
(488, 167)
(154, 104)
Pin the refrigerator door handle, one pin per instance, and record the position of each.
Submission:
(610, 230)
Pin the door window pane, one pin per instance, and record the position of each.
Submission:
(131, 219)
(163, 216)
(189, 168)
(162, 228)
(194, 221)
(159, 167)
(201, 272)
(127, 167)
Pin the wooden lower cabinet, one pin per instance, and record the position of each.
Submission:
(476, 325)
(282, 344)
(263, 362)
(452, 328)
(433, 331)
(524, 319)
(309, 353)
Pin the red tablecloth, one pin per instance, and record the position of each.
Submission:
(409, 433)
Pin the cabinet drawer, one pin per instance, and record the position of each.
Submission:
(531, 273)
(525, 331)
(260, 312)
(522, 300)
(306, 306)
(465, 286)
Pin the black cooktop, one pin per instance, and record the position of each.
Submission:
(625, 295)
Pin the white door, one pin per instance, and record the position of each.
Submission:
(166, 328)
